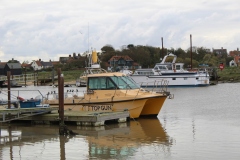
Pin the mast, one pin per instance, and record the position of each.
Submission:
(162, 49)
(191, 49)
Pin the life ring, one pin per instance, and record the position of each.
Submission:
(20, 98)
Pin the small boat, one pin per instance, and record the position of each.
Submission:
(112, 92)
(13, 84)
(172, 72)
(92, 68)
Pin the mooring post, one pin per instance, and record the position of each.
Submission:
(25, 76)
(63, 130)
(61, 102)
(191, 49)
(9, 86)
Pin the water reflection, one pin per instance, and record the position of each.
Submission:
(110, 141)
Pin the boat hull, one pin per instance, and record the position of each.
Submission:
(134, 107)
(173, 81)
(153, 106)
(136, 102)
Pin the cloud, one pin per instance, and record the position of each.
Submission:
(48, 28)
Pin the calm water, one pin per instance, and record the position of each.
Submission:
(199, 123)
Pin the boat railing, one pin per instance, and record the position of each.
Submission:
(18, 95)
(68, 94)
(158, 85)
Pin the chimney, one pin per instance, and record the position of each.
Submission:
(39, 60)
(69, 55)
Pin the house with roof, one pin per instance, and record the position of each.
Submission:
(220, 52)
(122, 62)
(39, 65)
(15, 68)
(236, 58)
(70, 57)
(2, 65)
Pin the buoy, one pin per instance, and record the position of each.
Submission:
(20, 98)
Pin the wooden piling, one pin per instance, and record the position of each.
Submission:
(9, 91)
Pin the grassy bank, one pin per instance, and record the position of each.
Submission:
(229, 74)
(71, 75)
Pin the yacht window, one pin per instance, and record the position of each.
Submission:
(169, 67)
(162, 67)
(173, 78)
(178, 67)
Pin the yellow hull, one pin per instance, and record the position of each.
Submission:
(153, 106)
(135, 101)
(133, 106)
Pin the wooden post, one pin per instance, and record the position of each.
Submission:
(191, 49)
(34, 77)
(52, 75)
(9, 86)
(61, 102)
(25, 76)
(37, 76)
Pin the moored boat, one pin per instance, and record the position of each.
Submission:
(111, 92)
(13, 84)
(92, 68)
(173, 73)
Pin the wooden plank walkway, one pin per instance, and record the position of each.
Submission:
(7, 115)
(83, 118)
(46, 115)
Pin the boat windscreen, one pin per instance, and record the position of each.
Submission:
(131, 83)
(110, 83)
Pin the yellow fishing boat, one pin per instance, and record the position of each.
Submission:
(114, 91)
(109, 92)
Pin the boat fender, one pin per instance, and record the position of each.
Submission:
(20, 98)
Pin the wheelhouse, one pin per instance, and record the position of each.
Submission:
(111, 83)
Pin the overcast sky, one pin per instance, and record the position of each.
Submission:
(48, 29)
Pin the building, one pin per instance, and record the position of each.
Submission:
(64, 60)
(39, 65)
(220, 51)
(122, 62)
(236, 58)
(15, 68)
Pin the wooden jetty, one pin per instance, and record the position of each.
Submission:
(7, 115)
(47, 114)
(42, 116)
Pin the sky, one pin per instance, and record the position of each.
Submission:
(48, 29)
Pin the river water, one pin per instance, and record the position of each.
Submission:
(199, 123)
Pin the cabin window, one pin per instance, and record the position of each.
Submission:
(173, 78)
(197, 78)
(110, 84)
(178, 67)
(130, 82)
(97, 83)
(185, 78)
(103, 83)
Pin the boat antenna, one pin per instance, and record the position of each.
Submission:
(88, 37)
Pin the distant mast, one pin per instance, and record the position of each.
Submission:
(191, 49)
(162, 49)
